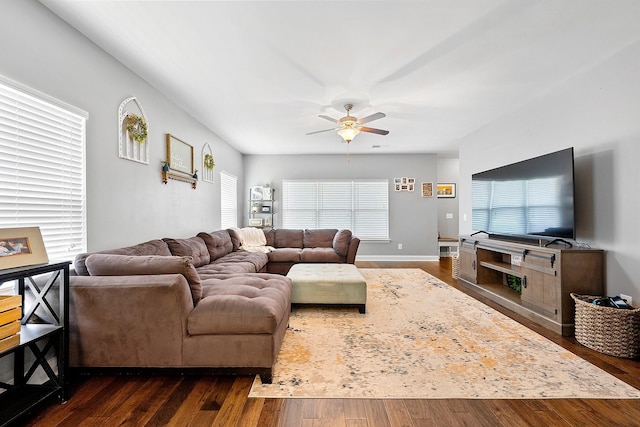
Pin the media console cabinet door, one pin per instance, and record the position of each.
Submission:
(467, 257)
(541, 292)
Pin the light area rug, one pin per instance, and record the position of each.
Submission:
(421, 338)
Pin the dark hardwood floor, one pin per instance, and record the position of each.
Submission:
(222, 401)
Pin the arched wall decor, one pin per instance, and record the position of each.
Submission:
(128, 147)
(208, 163)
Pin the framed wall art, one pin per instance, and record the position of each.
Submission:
(179, 155)
(404, 184)
(446, 190)
(21, 246)
(427, 189)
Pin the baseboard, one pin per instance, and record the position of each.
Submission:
(397, 258)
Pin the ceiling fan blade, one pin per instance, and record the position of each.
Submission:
(373, 130)
(331, 119)
(371, 118)
(320, 131)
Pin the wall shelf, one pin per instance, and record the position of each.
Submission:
(261, 207)
(178, 176)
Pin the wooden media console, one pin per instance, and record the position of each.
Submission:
(531, 280)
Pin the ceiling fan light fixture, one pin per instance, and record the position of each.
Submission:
(348, 133)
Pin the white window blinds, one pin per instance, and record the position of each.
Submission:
(228, 201)
(42, 174)
(361, 206)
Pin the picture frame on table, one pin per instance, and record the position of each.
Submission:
(21, 246)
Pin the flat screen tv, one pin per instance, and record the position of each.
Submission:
(532, 199)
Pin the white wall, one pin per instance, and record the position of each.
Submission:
(597, 113)
(126, 201)
(413, 220)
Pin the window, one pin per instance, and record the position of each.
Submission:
(228, 201)
(42, 173)
(361, 206)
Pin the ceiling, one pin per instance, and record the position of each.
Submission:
(258, 73)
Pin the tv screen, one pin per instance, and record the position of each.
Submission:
(531, 198)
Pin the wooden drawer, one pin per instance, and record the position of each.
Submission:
(9, 302)
(9, 329)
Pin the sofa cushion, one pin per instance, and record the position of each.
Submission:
(326, 255)
(152, 247)
(271, 236)
(236, 241)
(241, 304)
(219, 243)
(134, 265)
(193, 247)
(284, 255)
(341, 242)
(319, 238)
(235, 262)
(288, 238)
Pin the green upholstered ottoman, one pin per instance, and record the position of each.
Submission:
(328, 284)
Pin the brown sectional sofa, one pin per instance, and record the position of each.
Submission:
(197, 302)
(309, 246)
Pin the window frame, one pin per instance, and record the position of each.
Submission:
(43, 151)
(306, 203)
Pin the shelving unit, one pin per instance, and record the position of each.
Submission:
(548, 276)
(41, 339)
(261, 207)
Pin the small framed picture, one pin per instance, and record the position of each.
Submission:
(21, 246)
(427, 189)
(265, 209)
(446, 190)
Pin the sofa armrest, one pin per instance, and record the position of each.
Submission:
(353, 250)
(128, 321)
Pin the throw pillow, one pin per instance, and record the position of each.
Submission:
(193, 247)
(135, 265)
(341, 242)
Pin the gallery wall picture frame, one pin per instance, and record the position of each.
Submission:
(404, 184)
(427, 189)
(446, 190)
(21, 246)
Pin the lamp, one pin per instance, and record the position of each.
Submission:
(349, 127)
(348, 134)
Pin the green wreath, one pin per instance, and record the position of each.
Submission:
(137, 128)
(208, 161)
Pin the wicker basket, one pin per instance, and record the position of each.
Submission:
(455, 267)
(608, 330)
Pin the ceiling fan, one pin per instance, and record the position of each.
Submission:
(350, 126)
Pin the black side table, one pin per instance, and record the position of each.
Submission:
(38, 339)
